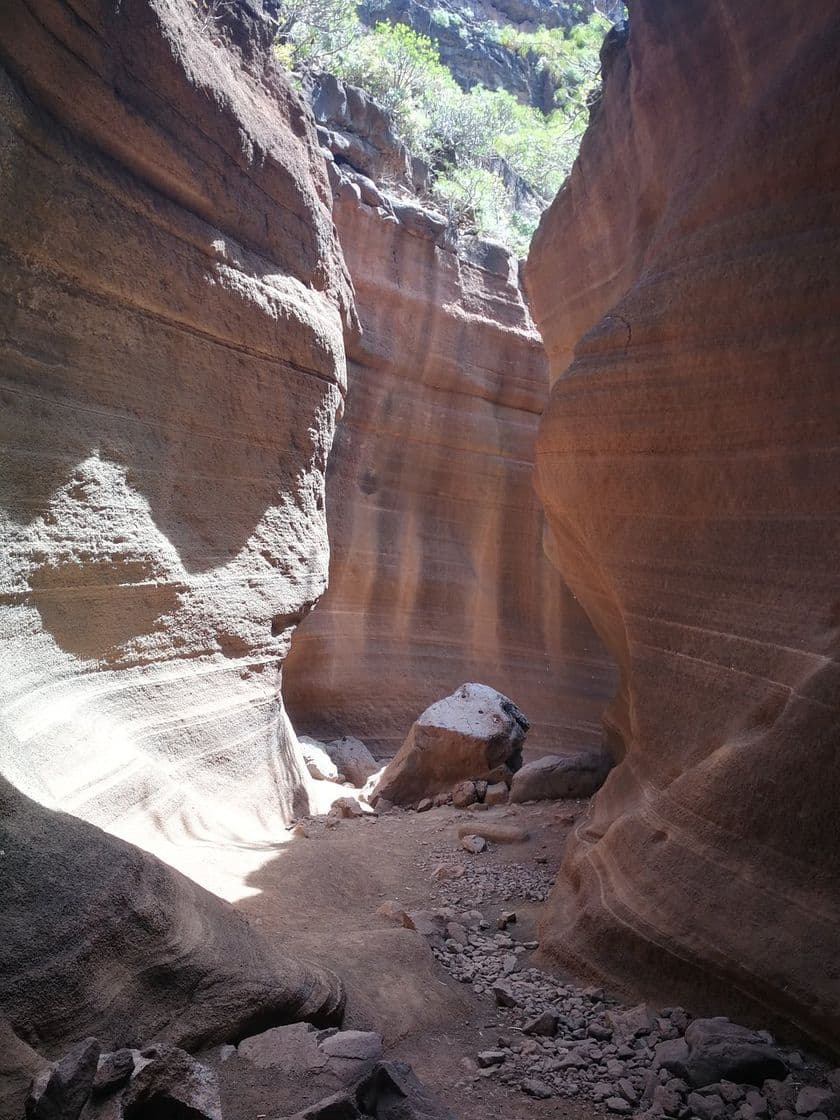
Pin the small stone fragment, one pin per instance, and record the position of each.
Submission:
(490, 1058)
(464, 795)
(473, 844)
(504, 995)
(545, 1024)
(813, 1099)
(425, 805)
(619, 1104)
(535, 1088)
(496, 794)
(114, 1070)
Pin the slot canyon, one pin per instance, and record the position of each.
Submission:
(419, 687)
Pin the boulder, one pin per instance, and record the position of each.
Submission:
(99, 936)
(718, 1050)
(352, 758)
(173, 1084)
(318, 760)
(555, 777)
(393, 1092)
(332, 1060)
(61, 1093)
(464, 795)
(464, 737)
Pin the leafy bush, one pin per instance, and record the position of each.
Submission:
(461, 134)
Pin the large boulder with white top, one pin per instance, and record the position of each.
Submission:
(474, 733)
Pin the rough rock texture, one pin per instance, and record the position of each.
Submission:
(437, 573)
(471, 734)
(559, 776)
(688, 461)
(172, 299)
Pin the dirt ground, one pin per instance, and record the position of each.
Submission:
(318, 896)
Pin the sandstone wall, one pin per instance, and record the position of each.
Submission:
(172, 304)
(437, 573)
(688, 462)
(173, 301)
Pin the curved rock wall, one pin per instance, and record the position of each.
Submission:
(437, 572)
(688, 462)
(173, 302)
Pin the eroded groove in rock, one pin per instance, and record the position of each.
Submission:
(688, 461)
(173, 301)
(437, 572)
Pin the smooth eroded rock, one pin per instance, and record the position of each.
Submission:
(555, 777)
(684, 281)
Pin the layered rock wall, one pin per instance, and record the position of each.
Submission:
(437, 572)
(685, 281)
(173, 301)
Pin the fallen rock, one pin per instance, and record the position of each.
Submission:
(464, 795)
(536, 1088)
(505, 996)
(556, 777)
(174, 1084)
(393, 1092)
(496, 794)
(486, 1058)
(429, 923)
(706, 1106)
(347, 808)
(717, 1049)
(811, 1099)
(464, 737)
(473, 844)
(392, 911)
(61, 1093)
(318, 761)
(544, 1024)
(351, 757)
(495, 832)
(113, 1071)
(425, 805)
(334, 1059)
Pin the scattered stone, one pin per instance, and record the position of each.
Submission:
(425, 805)
(113, 1071)
(811, 1099)
(472, 843)
(392, 911)
(504, 995)
(505, 919)
(496, 833)
(545, 1024)
(464, 795)
(490, 1058)
(173, 1083)
(393, 1092)
(536, 1088)
(347, 808)
(352, 758)
(497, 794)
(60, 1093)
(557, 777)
(447, 871)
(719, 1049)
(619, 1104)
(429, 923)
(706, 1106)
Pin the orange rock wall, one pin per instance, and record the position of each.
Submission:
(437, 573)
(688, 462)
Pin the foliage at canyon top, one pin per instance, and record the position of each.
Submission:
(495, 100)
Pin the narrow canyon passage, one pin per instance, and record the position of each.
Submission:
(419, 615)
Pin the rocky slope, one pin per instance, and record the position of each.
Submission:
(688, 460)
(173, 300)
(437, 572)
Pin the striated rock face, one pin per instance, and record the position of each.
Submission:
(688, 461)
(437, 572)
(172, 302)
